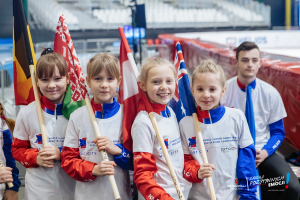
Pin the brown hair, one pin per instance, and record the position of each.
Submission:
(10, 122)
(46, 65)
(208, 66)
(154, 62)
(245, 46)
(105, 61)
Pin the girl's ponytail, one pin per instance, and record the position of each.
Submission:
(10, 122)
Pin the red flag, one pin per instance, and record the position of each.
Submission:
(128, 90)
(76, 91)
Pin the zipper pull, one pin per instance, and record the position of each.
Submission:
(209, 117)
(55, 111)
(102, 110)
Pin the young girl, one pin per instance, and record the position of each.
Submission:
(44, 178)
(151, 173)
(81, 157)
(9, 172)
(226, 136)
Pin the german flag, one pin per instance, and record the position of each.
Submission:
(24, 56)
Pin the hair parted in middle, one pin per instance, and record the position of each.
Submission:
(105, 61)
(154, 62)
(46, 64)
(208, 66)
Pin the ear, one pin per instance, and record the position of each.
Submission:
(192, 90)
(37, 82)
(260, 63)
(88, 81)
(235, 63)
(223, 91)
(68, 78)
(142, 86)
(119, 80)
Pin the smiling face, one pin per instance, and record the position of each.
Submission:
(54, 88)
(103, 87)
(207, 90)
(248, 63)
(160, 84)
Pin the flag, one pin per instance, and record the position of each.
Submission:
(23, 56)
(182, 102)
(76, 90)
(128, 90)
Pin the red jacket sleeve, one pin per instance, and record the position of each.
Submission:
(75, 167)
(191, 167)
(144, 168)
(23, 153)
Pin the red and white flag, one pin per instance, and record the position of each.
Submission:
(128, 90)
(76, 91)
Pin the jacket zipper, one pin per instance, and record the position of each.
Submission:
(102, 110)
(55, 111)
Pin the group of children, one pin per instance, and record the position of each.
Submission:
(71, 166)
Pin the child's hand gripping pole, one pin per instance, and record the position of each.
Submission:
(10, 184)
(167, 157)
(204, 156)
(38, 107)
(103, 152)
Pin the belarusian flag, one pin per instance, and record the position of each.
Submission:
(76, 90)
(128, 90)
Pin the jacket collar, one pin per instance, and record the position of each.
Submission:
(210, 116)
(105, 110)
(161, 109)
(51, 108)
(243, 87)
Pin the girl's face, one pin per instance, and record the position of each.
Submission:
(54, 88)
(160, 84)
(207, 90)
(103, 87)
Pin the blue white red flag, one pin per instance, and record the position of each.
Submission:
(182, 102)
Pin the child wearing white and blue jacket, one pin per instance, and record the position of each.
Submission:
(9, 172)
(227, 140)
(81, 157)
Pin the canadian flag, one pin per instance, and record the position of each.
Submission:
(128, 90)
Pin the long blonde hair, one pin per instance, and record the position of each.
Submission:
(10, 122)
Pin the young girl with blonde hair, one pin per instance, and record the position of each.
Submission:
(151, 173)
(226, 136)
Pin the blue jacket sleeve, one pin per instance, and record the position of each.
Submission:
(10, 161)
(125, 160)
(277, 135)
(246, 173)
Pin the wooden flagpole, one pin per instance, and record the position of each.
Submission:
(167, 157)
(38, 107)
(10, 184)
(204, 156)
(103, 152)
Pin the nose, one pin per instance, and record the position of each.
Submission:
(163, 86)
(51, 84)
(104, 84)
(206, 94)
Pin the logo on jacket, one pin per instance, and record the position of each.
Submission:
(39, 139)
(226, 149)
(166, 143)
(192, 142)
(82, 143)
